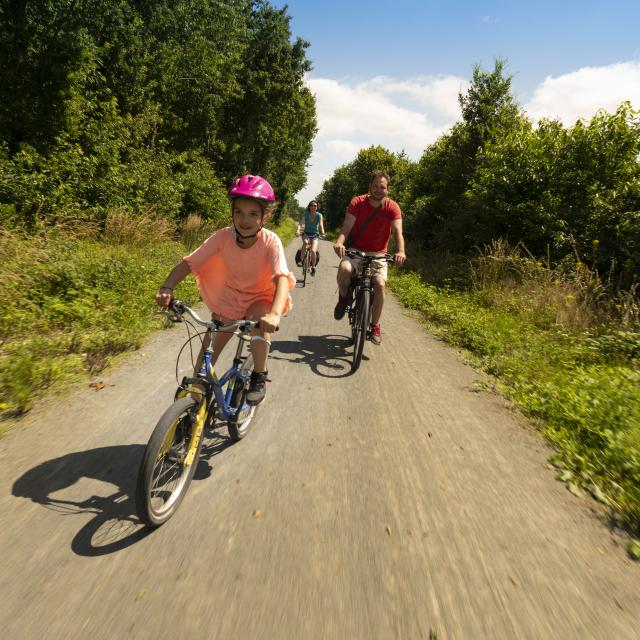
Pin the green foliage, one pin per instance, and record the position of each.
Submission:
(270, 126)
(353, 179)
(581, 385)
(566, 190)
(147, 105)
(569, 194)
(437, 205)
(70, 304)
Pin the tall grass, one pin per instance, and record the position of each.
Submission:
(80, 293)
(562, 343)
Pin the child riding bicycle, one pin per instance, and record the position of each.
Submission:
(241, 272)
(311, 226)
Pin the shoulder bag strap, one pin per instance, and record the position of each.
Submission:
(365, 224)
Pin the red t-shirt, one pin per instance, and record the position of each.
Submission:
(376, 235)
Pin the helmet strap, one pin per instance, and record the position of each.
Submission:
(240, 239)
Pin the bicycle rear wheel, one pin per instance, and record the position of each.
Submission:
(167, 470)
(240, 424)
(360, 326)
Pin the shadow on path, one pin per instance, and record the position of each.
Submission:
(328, 356)
(116, 525)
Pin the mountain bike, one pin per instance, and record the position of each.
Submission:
(361, 296)
(172, 453)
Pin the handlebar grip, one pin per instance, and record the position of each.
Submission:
(177, 306)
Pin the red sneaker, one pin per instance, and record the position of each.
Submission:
(376, 338)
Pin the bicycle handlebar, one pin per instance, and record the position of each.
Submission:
(354, 253)
(180, 308)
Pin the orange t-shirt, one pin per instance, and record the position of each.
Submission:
(230, 279)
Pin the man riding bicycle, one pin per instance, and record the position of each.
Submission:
(312, 223)
(370, 220)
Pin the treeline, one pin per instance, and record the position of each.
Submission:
(567, 193)
(148, 105)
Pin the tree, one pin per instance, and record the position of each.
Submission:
(353, 179)
(438, 210)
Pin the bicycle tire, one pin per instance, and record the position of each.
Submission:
(305, 267)
(360, 326)
(240, 424)
(169, 443)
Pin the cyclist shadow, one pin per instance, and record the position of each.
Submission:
(216, 440)
(115, 525)
(328, 356)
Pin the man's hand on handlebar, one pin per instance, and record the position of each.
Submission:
(399, 258)
(340, 249)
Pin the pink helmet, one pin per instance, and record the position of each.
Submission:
(249, 186)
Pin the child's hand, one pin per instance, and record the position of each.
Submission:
(164, 296)
(269, 322)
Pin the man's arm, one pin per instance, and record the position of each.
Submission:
(347, 225)
(396, 230)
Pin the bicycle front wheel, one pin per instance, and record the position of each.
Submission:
(305, 267)
(240, 423)
(360, 326)
(169, 462)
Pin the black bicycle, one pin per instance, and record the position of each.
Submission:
(305, 257)
(361, 296)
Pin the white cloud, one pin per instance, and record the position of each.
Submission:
(408, 115)
(439, 94)
(360, 111)
(346, 149)
(397, 114)
(582, 93)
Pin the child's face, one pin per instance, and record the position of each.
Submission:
(247, 215)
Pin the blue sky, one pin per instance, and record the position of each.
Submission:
(389, 72)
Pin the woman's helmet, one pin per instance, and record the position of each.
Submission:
(249, 186)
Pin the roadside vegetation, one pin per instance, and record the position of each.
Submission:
(74, 298)
(121, 126)
(564, 353)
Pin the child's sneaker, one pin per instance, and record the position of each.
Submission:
(376, 337)
(257, 388)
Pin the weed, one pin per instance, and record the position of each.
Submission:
(563, 347)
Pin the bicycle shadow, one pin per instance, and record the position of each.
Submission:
(116, 525)
(328, 356)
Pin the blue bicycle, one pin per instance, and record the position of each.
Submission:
(172, 453)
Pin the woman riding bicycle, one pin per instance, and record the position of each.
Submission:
(241, 272)
(312, 227)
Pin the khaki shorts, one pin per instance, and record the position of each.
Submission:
(379, 267)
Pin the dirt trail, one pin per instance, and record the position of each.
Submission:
(393, 503)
